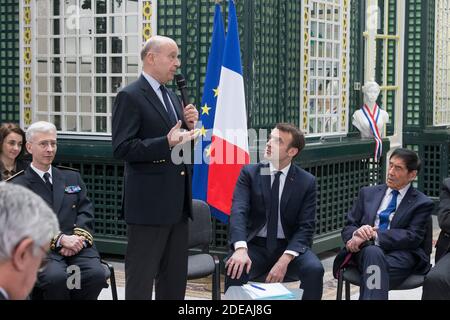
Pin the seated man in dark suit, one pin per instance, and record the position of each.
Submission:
(437, 281)
(273, 219)
(73, 270)
(386, 227)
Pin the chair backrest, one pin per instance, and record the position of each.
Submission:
(427, 243)
(200, 227)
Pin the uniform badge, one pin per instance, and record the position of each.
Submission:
(72, 189)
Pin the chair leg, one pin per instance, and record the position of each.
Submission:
(112, 279)
(347, 290)
(339, 287)
(216, 280)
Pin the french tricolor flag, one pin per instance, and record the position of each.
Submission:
(229, 146)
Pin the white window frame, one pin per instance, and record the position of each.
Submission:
(334, 93)
(441, 112)
(40, 113)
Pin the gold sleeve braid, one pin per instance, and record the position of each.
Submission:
(55, 241)
(84, 233)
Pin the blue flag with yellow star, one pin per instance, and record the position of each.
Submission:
(208, 111)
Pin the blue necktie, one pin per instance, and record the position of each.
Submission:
(169, 109)
(384, 215)
(272, 223)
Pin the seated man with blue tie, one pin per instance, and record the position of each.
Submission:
(73, 269)
(272, 219)
(386, 227)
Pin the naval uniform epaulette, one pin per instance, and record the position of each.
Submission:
(67, 168)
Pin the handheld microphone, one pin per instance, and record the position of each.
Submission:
(181, 84)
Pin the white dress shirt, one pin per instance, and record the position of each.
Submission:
(41, 173)
(156, 86)
(263, 231)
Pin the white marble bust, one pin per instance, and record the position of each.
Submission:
(371, 91)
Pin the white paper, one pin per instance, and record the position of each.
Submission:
(268, 291)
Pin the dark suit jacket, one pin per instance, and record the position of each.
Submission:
(407, 228)
(156, 191)
(73, 208)
(443, 243)
(2, 297)
(251, 206)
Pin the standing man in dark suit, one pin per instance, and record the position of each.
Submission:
(272, 219)
(27, 225)
(147, 124)
(437, 281)
(73, 270)
(386, 227)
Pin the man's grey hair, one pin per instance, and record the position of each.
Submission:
(154, 44)
(24, 214)
(41, 127)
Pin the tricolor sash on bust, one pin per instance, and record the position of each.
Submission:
(373, 119)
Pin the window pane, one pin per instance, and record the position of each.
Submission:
(116, 65)
(71, 123)
(42, 66)
(116, 83)
(100, 84)
(85, 46)
(57, 103)
(132, 6)
(116, 25)
(132, 45)
(86, 25)
(85, 85)
(101, 6)
(132, 65)
(100, 104)
(131, 24)
(71, 49)
(71, 65)
(100, 24)
(116, 45)
(85, 122)
(56, 84)
(42, 9)
(71, 104)
(86, 65)
(85, 104)
(42, 103)
(116, 6)
(56, 120)
(42, 27)
(100, 45)
(100, 123)
(100, 64)
(71, 84)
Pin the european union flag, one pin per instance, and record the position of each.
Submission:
(208, 111)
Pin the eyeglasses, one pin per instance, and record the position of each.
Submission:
(44, 260)
(46, 143)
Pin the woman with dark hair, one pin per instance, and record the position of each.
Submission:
(12, 147)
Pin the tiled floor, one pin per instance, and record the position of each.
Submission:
(201, 289)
